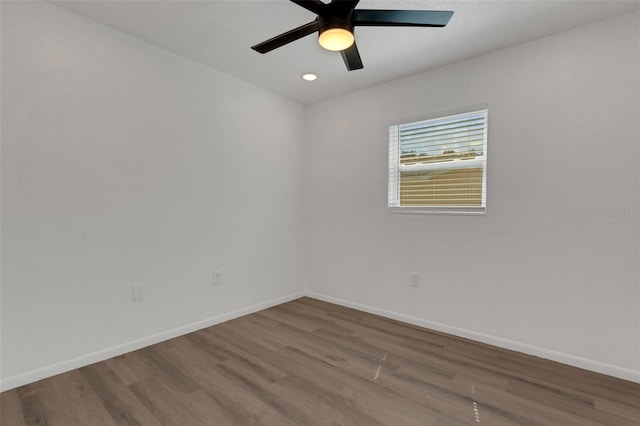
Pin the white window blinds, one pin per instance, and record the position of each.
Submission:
(439, 165)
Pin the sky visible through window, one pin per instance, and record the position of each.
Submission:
(460, 136)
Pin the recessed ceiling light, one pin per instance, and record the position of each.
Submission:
(309, 76)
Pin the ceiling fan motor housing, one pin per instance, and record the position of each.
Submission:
(336, 17)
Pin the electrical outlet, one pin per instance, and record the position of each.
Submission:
(414, 280)
(137, 292)
(217, 278)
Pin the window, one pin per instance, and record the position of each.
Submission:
(439, 165)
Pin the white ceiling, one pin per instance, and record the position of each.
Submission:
(219, 34)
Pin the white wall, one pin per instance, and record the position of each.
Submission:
(546, 271)
(123, 163)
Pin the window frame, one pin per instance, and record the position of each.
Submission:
(393, 178)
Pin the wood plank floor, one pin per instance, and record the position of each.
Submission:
(308, 362)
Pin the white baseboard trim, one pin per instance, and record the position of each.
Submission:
(575, 361)
(104, 354)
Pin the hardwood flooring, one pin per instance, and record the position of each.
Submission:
(308, 362)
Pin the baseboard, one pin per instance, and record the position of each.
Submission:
(84, 360)
(575, 361)
(101, 355)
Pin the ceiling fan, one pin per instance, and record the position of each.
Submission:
(336, 20)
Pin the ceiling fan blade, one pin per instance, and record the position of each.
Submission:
(351, 58)
(286, 38)
(348, 3)
(401, 18)
(315, 6)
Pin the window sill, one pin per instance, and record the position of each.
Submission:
(473, 211)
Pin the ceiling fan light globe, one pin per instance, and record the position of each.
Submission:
(336, 39)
